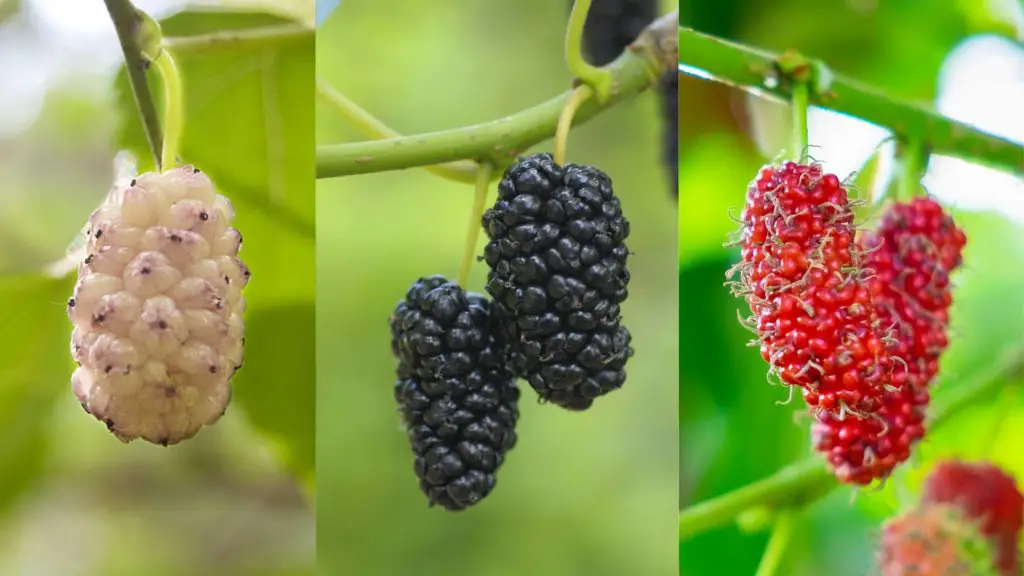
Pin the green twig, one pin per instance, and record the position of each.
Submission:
(502, 140)
(752, 69)
(128, 22)
(483, 180)
(777, 543)
(598, 79)
(807, 481)
(370, 127)
(238, 39)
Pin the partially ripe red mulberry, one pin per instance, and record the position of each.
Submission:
(934, 540)
(985, 494)
(908, 261)
(861, 449)
(157, 309)
(813, 313)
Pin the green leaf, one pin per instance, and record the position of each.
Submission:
(275, 385)
(248, 123)
(35, 368)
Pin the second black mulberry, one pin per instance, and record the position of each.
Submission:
(457, 400)
(557, 258)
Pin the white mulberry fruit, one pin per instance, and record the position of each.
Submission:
(157, 309)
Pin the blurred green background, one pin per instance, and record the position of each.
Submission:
(587, 493)
(731, 431)
(236, 499)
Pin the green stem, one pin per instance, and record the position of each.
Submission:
(598, 79)
(128, 22)
(502, 140)
(370, 127)
(777, 543)
(483, 180)
(798, 108)
(785, 489)
(804, 482)
(238, 39)
(911, 152)
(173, 100)
(748, 68)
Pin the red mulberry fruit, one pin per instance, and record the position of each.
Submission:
(986, 495)
(157, 309)
(557, 258)
(800, 273)
(934, 540)
(457, 400)
(909, 259)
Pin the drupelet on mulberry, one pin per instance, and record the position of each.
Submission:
(157, 308)
(557, 258)
(457, 400)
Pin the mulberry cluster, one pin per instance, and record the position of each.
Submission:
(988, 497)
(557, 258)
(933, 539)
(557, 276)
(457, 400)
(814, 315)
(909, 259)
(157, 308)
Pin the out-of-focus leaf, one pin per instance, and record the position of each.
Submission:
(731, 430)
(9, 8)
(275, 387)
(249, 124)
(34, 372)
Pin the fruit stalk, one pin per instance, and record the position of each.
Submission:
(798, 108)
(128, 22)
(911, 150)
(579, 96)
(483, 179)
(598, 79)
(173, 101)
(752, 69)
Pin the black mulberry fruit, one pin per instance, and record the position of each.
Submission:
(457, 400)
(558, 273)
(612, 25)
